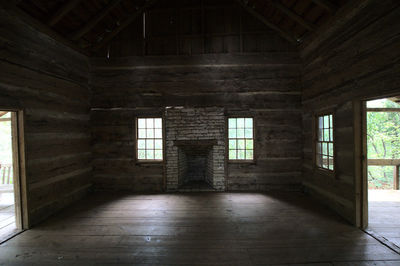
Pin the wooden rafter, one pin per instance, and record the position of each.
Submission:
(291, 14)
(326, 4)
(124, 24)
(60, 13)
(266, 22)
(38, 25)
(96, 19)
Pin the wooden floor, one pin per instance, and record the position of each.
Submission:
(384, 214)
(7, 215)
(196, 228)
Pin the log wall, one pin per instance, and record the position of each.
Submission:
(50, 83)
(265, 86)
(355, 57)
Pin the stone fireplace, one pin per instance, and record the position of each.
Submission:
(195, 148)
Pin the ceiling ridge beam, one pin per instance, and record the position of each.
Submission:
(294, 16)
(266, 22)
(94, 20)
(326, 4)
(124, 24)
(61, 12)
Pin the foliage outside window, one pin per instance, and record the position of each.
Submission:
(149, 139)
(383, 142)
(241, 138)
(324, 146)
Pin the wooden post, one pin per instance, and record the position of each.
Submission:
(396, 177)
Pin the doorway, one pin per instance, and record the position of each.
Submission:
(382, 167)
(10, 181)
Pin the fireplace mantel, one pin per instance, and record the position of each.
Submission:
(200, 142)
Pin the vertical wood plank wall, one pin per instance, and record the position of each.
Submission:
(265, 86)
(180, 27)
(355, 57)
(50, 83)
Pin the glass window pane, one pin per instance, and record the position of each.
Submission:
(319, 160)
(248, 133)
(324, 161)
(320, 122)
(331, 120)
(232, 144)
(331, 134)
(141, 123)
(158, 155)
(326, 121)
(142, 133)
(331, 163)
(232, 122)
(249, 155)
(149, 123)
(330, 149)
(141, 144)
(158, 144)
(326, 134)
(232, 154)
(158, 133)
(240, 133)
(240, 154)
(249, 144)
(157, 123)
(150, 133)
(232, 133)
(150, 144)
(248, 123)
(324, 148)
(150, 154)
(141, 154)
(319, 148)
(240, 123)
(240, 144)
(320, 134)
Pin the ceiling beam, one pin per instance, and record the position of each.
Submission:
(61, 12)
(291, 14)
(266, 22)
(326, 4)
(39, 26)
(125, 23)
(95, 20)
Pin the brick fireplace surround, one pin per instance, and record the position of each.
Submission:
(195, 138)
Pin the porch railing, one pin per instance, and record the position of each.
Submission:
(6, 174)
(388, 162)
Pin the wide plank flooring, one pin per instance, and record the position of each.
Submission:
(384, 214)
(196, 229)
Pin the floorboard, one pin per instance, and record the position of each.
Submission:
(206, 228)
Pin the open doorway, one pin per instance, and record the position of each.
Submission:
(383, 163)
(10, 192)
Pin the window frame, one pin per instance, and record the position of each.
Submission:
(327, 171)
(149, 161)
(239, 161)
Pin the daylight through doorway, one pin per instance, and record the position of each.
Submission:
(8, 223)
(383, 153)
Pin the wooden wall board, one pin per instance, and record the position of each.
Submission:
(49, 82)
(357, 58)
(259, 84)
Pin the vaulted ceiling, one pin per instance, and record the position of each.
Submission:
(92, 24)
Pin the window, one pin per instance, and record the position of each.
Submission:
(240, 137)
(149, 139)
(324, 143)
